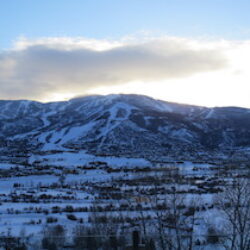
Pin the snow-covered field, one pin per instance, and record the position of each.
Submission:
(73, 159)
(65, 188)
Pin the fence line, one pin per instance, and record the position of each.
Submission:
(121, 235)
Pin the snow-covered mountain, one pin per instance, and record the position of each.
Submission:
(121, 125)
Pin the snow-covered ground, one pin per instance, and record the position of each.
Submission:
(54, 185)
(72, 159)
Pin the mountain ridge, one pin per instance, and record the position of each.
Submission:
(122, 124)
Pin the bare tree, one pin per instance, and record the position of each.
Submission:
(234, 202)
(62, 179)
(54, 237)
(174, 221)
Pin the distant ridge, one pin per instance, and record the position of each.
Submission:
(122, 124)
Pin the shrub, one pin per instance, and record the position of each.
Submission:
(51, 219)
(212, 236)
(71, 217)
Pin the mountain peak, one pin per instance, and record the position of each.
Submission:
(122, 124)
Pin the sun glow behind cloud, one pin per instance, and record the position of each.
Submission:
(226, 87)
(58, 97)
(204, 89)
(193, 71)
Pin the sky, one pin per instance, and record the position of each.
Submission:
(187, 51)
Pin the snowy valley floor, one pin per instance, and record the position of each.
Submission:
(116, 195)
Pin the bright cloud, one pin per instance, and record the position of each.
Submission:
(47, 68)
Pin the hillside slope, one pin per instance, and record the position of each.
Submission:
(121, 125)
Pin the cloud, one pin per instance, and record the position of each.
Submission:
(36, 69)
